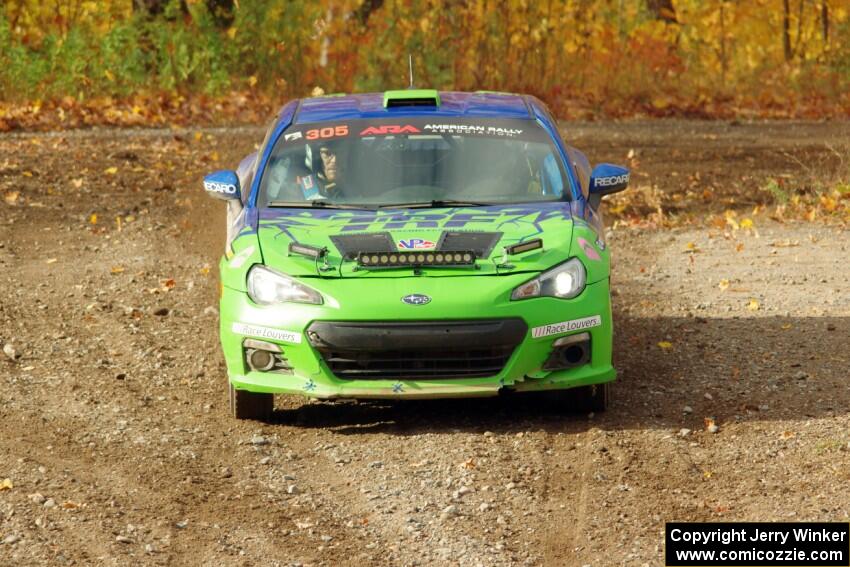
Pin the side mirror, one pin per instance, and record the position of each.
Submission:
(223, 185)
(607, 178)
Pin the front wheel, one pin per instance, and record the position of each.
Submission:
(584, 399)
(593, 398)
(250, 405)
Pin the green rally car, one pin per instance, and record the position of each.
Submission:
(415, 244)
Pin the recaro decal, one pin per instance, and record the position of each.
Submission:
(389, 129)
(611, 180)
(218, 187)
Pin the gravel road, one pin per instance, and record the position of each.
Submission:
(733, 401)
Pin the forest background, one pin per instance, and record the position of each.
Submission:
(67, 63)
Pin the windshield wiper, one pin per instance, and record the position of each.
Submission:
(435, 204)
(316, 205)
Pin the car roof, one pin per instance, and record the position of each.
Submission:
(371, 105)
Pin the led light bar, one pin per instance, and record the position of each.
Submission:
(415, 259)
(307, 250)
(524, 247)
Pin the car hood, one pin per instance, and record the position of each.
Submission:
(486, 229)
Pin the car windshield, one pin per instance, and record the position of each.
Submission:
(413, 162)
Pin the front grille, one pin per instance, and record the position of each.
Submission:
(416, 350)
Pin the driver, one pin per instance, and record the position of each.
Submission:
(326, 182)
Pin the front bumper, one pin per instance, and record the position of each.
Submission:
(465, 303)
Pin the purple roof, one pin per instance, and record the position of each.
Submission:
(371, 105)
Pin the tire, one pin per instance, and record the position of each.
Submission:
(593, 398)
(250, 405)
(584, 399)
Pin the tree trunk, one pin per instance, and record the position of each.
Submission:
(366, 8)
(724, 63)
(663, 10)
(824, 20)
(786, 29)
(153, 8)
(222, 12)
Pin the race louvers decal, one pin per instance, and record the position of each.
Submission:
(566, 327)
(266, 333)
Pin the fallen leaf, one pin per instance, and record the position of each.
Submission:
(51, 260)
(77, 183)
(68, 505)
(753, 305)
(117, 270)
(111, 170)
(12, 197)
(169, 284)
(746, 224)
(739, 247)
(6, 484)
(26, 173)
(93, 218)
(723, 285)
(786, 326)
(787, 435)
(665, 345)
(706, 474)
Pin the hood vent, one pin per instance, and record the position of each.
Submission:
(481, 243)
(352, 245)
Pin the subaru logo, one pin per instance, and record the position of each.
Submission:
(416, 299)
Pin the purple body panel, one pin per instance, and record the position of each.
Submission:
(371, 105)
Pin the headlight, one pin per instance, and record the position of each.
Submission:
(565, 281)
(265, 286)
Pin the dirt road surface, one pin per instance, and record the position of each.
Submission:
(119, 450)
